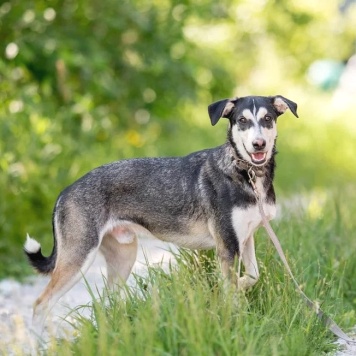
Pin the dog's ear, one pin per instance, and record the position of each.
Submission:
(281, 104)
(221, 108)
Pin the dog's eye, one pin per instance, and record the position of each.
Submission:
(242, 120)
(268, 118)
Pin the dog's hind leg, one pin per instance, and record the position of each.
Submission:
(75, 256)
(119, 247)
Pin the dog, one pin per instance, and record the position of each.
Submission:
(200, 201)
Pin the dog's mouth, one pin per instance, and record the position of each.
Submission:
(258, 157)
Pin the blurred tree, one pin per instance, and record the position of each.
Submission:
(86, 82)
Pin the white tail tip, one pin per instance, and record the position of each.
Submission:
(31, 245)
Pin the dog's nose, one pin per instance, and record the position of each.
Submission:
(259, 144)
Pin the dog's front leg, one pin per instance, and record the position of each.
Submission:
(228, 261)
(248, 256)
(229, 248)
(226, 249)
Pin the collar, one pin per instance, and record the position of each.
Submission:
(259, 171)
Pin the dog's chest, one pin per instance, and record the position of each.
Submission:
(246, 220)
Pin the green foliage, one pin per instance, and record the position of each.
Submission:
(91, 82)
(83, 83)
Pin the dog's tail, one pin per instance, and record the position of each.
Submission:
(42, 264)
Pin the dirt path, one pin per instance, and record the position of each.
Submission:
(16, 299)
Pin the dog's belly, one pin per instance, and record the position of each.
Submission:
(197, 236)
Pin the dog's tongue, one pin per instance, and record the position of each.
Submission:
(258, 156)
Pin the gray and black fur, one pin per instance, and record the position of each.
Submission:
(199, 201)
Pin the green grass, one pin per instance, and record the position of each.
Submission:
(186, 310)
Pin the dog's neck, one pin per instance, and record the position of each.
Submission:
(242, 165)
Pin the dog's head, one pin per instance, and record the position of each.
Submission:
(253, 121)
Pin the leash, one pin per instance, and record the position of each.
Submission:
(332, 326)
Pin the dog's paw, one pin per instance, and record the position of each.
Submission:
(245, 282)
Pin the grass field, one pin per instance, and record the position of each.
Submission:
(185, 311)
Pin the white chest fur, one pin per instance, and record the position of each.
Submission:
(246, 220)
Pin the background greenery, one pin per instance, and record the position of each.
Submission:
(83, 83)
